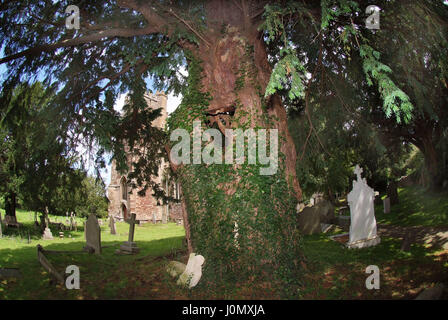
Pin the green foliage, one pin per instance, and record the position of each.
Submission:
(288, 73)
(395, 100)
(34, 161)
(83, 196)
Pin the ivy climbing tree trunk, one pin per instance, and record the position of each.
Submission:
(242, 222)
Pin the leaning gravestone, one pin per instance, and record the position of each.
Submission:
(193, 271)
(308, 221)
(47, 265)
(112, 225)
(93, 235)
(362, 213)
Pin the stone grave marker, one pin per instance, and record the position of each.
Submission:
(362, 214)
(112, 225)
(47, 235)
(386, 205)
(93, 234)
(73, 224)
(10, 273)
(193, 271)
(392, 192)
(130, 247)
(47, 265)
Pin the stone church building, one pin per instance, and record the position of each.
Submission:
(123, 201)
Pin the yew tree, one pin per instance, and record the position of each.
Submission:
(242, 66)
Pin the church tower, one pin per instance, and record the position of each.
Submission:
(123, 201)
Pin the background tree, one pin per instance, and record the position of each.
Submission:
(34, 162)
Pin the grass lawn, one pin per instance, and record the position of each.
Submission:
(331, 271)
(105, 276)
(416, 208)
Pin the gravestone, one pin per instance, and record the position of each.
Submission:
(362, 214)
(93, 234)
(392, 193)
(308, 221)
(112, 225)
(48, 266)
(9, 273)
(154, 221)
(193, 271)
(130, 247)
(386, 205)
(73, 224)
(175, 268)
(47, 235)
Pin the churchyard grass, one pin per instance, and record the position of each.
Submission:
(330, 271)
(102, 276)
(416, 207)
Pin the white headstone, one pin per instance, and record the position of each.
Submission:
(386, 204)
(193, 271)
(47, 235)
(362, 214)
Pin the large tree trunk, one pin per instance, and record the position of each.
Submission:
(242, 222)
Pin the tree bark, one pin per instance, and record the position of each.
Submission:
(244, 224)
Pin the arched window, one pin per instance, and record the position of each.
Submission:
(124, 189)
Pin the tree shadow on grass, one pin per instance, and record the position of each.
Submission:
(335, 272)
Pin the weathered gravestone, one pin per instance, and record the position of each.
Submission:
(130, 247)
(93, 235)
(392, 193)
(48, 266)
(190, 274)
(193, 271)
(10, 273)
(47, 235)
(386, 205)
(112, 225)
(310, 218)
(362, 214)
(73, 224)
(309, 221)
